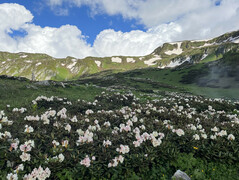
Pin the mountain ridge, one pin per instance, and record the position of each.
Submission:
(39, 66)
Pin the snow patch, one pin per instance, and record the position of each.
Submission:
(175, 51)
(38, 64)
(204, 56)
(177, 62)
(28, 61)
(116, 59)
(63, 64)
(234, 40)
(151, 61)
(74, 60)
(141, 58)
(23, 56)
(206, 44)
(162, 67)
(202, 40)
(98, 63)
(3, 62)
(71, 66)
(130, 60)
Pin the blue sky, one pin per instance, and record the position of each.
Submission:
(81, 17)
(82, 28)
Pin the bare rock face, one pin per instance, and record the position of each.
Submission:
(179, 175)
(62, 84)
(43, 83)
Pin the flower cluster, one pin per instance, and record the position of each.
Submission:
(123, 149)
(38, 173)
(86, 161)
(116, 161)
(113, 130)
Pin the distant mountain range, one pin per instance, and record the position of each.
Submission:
(169, 55)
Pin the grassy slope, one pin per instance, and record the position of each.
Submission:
(146, 80)
(150, 80)
(19, 93)
(46, 67)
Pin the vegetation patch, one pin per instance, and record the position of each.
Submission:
(118, 137)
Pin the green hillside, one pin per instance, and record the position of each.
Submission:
(169, 55)
(213, 79)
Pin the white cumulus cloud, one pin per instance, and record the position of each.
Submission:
(68, 40)
(12, 17)
(198, 18)
(64, 41)
(165, 21)
(134, 43)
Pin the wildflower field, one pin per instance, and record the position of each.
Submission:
(119, 136)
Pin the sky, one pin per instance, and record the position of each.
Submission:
(81, 28)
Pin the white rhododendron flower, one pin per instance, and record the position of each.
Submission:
(213, 137)
(89, 111)
(156, 142)
(6, 134)
(86, 161)
(222, 133)
(180, 108)
(141, 120)
(142, 127)
(62, 113)
(65, 143)
(196, 137)
(199, 126)
(80, 132)
(74, 119)
(25, 148)
(210, 108)
(12, 176)
(193, 128)
(215, 129)
(135, 119)
(25, 157)
(86, 138)
(116, 161)
(28, 129)
(107, 124)
(13, 146)
(20, 167)
(125, 128)
(136, 143)
(61, 157)
(123, 149)
(39, 173)
(231, 137)
(32, 118)
(204, 136)
(55, 143)
(30, 142)
(107, 143)
(179, 132)
(155, 134)
(68, 127)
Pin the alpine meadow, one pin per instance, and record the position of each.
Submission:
(169, 114)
